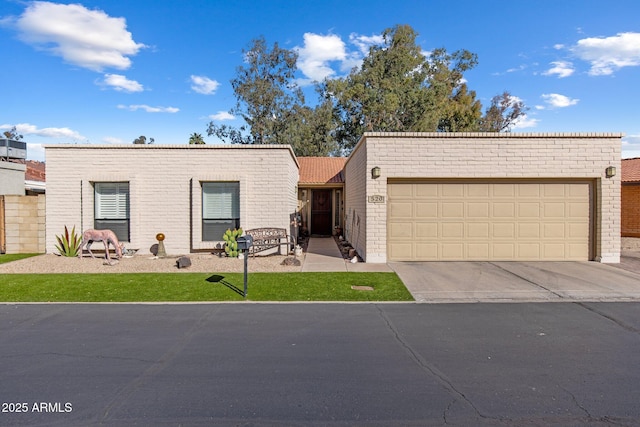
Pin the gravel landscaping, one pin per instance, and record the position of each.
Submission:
(200, 263)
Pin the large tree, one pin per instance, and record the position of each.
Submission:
(272, 105)
(502, 114)
(265, 95)
(399, 89)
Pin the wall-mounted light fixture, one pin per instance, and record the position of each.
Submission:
(375, 172)
(610, 172)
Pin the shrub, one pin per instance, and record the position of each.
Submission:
(69, 243)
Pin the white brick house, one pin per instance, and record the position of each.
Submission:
(480, 196)
(435, 196)
(142, 190)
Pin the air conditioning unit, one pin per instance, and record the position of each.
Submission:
(12, 149)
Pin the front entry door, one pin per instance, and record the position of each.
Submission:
(321, 212)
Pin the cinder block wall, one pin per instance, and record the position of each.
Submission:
(25, 224)
(489, 155)
(630, 210)
(165, 188)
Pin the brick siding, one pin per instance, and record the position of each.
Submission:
(488, 156)
(165, 188)
(631, 210)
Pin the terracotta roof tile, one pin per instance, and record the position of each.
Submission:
(321, 170)
(631, 170)
(36, 171)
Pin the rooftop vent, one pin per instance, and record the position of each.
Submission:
(11, 149)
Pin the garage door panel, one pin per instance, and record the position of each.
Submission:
(452, 251)
(504, 191)
(401, 210)
(452, 191)
(478, 210)
(452, 210)
(426, 210)
(504, 230)
(528, 230)
(554, 210)
(504, 210)
(478, 230)
(426, 251)
(504, 251)
(529, 250)
(555, 230)
(401, 251)
(489, 221)
(401, 191)
(400, 230)
(478, 251)
(426, 230)
(529, 210)
(452, 229)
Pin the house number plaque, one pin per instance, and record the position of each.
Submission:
(376, 198)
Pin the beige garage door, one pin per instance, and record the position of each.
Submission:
(479, 221)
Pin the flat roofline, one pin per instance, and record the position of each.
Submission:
(174, 147)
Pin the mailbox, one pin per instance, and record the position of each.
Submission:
(244, 242)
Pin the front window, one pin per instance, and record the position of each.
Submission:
(111, 209)
(220, 209)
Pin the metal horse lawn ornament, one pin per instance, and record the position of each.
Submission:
(105, 236)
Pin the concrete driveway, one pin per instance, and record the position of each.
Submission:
(447, 282)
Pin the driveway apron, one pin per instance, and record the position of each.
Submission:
(446, 282)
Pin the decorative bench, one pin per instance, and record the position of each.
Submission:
(269, 238)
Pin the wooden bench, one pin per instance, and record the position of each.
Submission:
(269, 238)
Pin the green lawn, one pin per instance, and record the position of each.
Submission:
(149, 287)
(14, 257)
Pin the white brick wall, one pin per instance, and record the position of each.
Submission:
(165, 188)
(483, 155)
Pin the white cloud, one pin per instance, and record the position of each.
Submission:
(560, 68)
(316, 54)
(29, 129)
(121, 83)
(148, 108)
(112, 140)
(204, 85)
(609, 54)
(363, 43)
(221, 116)
(631, 141)
(556, 100)
(524, 122)
(83, 37)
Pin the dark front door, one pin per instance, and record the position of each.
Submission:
(321, 212)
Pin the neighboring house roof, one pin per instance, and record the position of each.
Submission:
(321, 170)
(36, 171)
(631, 170)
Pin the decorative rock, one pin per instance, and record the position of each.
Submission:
(183, 262)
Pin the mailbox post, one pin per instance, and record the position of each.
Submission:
(244, 244)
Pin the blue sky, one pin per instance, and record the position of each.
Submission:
(109, 71)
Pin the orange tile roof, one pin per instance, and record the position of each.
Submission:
(631, 170)
(36, 171)
(321, 170)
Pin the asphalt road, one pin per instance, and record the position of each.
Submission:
(253, 364)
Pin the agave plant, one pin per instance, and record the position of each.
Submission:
(69, 243)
